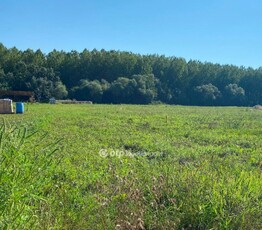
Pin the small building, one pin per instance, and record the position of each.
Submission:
(6, 106)
(52, 100)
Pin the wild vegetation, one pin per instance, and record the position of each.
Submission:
(123, 77)
(187, 167)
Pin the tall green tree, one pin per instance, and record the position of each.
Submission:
(124, 77)
(207, 94)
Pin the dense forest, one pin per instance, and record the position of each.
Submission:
(123, 77)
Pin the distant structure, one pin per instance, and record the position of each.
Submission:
(73, 102)
(52, 100)
(18, 93)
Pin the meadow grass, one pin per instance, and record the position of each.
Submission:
(161, 167)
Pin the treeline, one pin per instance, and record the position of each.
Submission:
(123, 77)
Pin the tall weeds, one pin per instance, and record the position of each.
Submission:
(27, 163)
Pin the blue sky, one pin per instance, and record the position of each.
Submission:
(218, 31)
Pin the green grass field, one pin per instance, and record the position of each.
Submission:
(131, 167)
